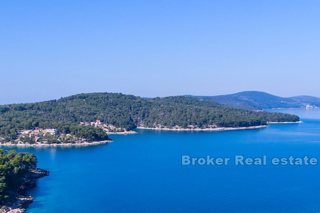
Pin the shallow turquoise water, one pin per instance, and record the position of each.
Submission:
(143, 173)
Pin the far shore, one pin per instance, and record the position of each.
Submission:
(93, 143)
(204, 129)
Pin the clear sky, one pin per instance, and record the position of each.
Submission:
(51, 49)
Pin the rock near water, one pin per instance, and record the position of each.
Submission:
(22, 201)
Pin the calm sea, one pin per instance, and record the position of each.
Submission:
(142, 173)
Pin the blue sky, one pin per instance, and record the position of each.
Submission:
(51, 49)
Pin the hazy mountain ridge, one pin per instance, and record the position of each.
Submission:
(256, 100)
(307, 100)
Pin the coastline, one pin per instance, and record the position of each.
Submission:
(217, 129)
(23, 199)
(293, 122)
(130, 132)
(94, 143)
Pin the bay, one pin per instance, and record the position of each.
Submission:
(143, 173)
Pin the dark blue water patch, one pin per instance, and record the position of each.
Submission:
(143, 173)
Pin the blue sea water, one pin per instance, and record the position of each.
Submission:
(142, 173)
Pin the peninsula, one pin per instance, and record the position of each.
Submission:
(88, 119)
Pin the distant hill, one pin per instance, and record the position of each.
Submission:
(128, 111)
(260, 100)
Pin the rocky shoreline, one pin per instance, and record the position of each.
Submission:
(294, 122)
(129, 132)
(94, 143)
(204, 129)
(21, 198)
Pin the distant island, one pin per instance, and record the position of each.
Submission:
(18, 174)
(256, 100)
(88, 119)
